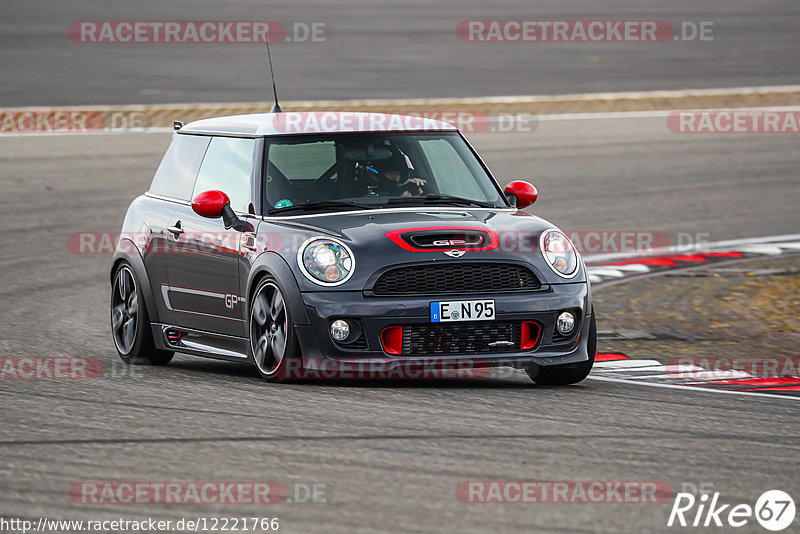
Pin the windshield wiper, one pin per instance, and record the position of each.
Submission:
(440, 199)
(320, 205)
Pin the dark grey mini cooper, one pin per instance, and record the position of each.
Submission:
(336, 244)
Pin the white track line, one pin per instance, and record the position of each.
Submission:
(691, 388)
(625, 364)
(770, 250)
(610, 272)
(632, 268)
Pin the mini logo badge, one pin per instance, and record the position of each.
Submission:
(455, 253)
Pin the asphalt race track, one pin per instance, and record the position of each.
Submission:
(387, 454)
(385, 50)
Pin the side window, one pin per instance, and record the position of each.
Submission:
(450, 170)
(228, 166)
(175, 176)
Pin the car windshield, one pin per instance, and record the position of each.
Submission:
(373, 171)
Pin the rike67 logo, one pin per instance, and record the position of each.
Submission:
(774, 510)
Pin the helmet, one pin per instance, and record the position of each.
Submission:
(397, 162)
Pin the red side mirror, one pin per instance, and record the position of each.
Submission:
(210, 203)
(524, 194)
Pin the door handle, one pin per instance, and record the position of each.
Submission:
(175, 229)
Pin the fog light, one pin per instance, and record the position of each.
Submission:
(340, 330)
(565, 323)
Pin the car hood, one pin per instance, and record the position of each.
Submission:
(389, 237)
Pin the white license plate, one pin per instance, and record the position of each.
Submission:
(462, 310)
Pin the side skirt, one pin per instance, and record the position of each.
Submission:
(200, 343)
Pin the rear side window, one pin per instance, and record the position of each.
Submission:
(228, 167)
(303, 162)
(175, 176)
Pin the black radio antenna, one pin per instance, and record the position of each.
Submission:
(276, 108)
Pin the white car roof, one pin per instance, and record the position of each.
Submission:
(314, 122)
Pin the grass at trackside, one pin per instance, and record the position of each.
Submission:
(773, 300)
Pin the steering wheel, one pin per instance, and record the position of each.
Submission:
(382, 184)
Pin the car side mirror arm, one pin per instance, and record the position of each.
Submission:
(521, 194)
(229, 218)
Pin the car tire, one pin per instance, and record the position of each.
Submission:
(270, 328)
(130, 323)
(571, 373)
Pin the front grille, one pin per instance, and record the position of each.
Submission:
(463, 338)
(455, 277)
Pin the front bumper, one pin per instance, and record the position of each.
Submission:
(377, 313)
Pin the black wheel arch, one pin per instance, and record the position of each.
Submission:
(272, 264)
(134, 259)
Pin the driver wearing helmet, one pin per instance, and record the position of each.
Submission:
(396, 177)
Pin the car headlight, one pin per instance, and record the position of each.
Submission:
(559, 253)
(325, 261)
